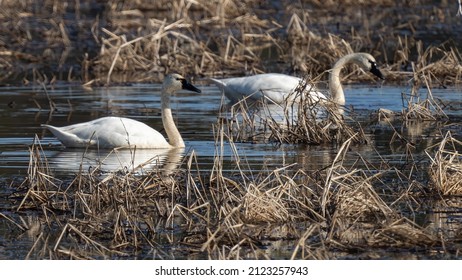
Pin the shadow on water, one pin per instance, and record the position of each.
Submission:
(24, 109)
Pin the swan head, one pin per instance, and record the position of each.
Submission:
(174, 82)
(367, 63)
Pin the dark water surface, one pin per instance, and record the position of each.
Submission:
(23, 109)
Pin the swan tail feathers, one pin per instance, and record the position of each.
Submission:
(68, 139)
(218, 82)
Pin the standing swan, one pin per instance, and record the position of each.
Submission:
(112, 132)
(278, 87)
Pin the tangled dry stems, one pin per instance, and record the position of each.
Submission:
(240, 216)
(445, 170)
(139, 41)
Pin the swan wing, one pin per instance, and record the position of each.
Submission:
(272, 86)
(70, 139)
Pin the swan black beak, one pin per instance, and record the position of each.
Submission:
(188, 86)
(374, 70)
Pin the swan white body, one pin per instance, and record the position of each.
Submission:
(272, 87)
(113, 132)
(109, 132)
(278, 87)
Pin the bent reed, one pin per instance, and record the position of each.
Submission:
(129, 41)
(289, 212)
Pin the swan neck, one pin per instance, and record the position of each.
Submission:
(174, 136)
(335, 85)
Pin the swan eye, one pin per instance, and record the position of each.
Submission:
(374, 70)
(373, 64)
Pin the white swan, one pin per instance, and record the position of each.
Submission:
(272, 87)
(112, 132)
(277, 88)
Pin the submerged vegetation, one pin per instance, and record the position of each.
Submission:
(351, 208)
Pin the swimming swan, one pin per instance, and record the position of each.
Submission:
(272, 87)
(278, 87)
(112, 132)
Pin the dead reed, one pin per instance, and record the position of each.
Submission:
(192, 213)
(100, 42)
(96, 215)
(419, 107)
(445, 171)
(288, 212)
(357, 217)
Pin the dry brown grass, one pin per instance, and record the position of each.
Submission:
(320, 214)
(288, 212)
(356, 217)
(112, 41)
(445, 170)
(109, 214)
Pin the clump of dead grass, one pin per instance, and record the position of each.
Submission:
(128, 42)
(373, 222)
(232, 215)
(418, 108)
(357, 217)
(223, 214)
(310, 122)
(363, 219)
(109, 214)
(439, 65)
(242, 210)
(445, 170)
(43, 190)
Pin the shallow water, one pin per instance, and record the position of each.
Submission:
(24, 109)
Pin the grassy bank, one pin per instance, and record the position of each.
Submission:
(116, 41)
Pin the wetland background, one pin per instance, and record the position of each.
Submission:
(390, 191)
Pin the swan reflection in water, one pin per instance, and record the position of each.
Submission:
(260, 114)
(139, 161)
